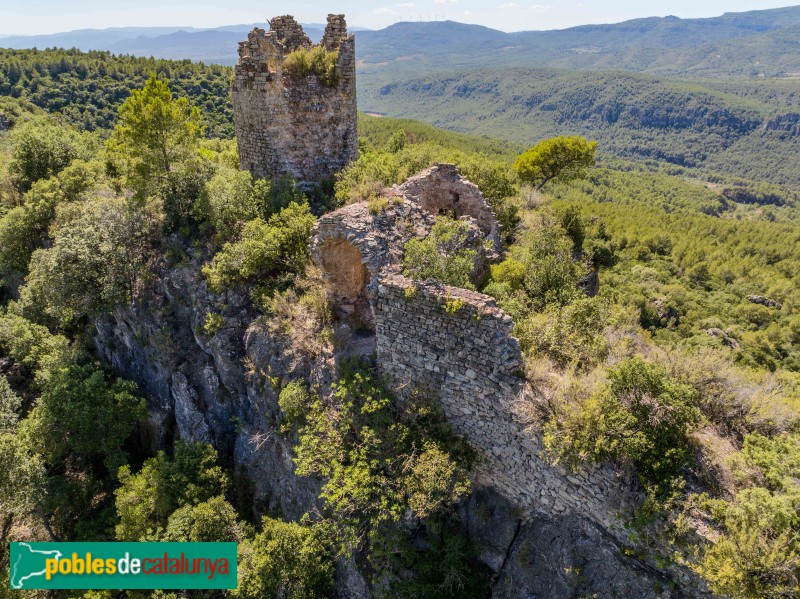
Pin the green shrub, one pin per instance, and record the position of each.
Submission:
(318, 60)
(571, 221)
(510, 272)
(266, 249)
(453, 305)
(285, 560)
(379, 461)
(226, 202)
(757, 554)
(377, 205)
(212, 323)
(293, 402)
(570, 335)
(442, 255)
(551, 276)
(640, 416)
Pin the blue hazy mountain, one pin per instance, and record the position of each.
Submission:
(741, 44)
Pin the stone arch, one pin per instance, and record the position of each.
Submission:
(343, 267)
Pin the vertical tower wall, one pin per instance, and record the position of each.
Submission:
(288, 125)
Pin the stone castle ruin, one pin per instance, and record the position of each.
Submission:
(289, 118)
(454, 344)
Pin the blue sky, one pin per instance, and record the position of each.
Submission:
(49, 16)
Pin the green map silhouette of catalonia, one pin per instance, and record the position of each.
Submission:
(27, 563)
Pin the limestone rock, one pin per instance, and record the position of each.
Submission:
(764, 301)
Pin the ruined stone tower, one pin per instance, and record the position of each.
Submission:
(290, 117)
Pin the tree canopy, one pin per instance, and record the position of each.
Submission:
(563, 158)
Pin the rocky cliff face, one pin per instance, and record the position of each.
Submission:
(212, 388)
(215, 386)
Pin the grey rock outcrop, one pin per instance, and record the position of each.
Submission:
(764, 301)
(553, 556)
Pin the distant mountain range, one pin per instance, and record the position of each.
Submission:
(741, 44)
(216, 45)
(765, 42)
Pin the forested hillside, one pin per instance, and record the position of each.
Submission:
(739, 128)
(746, 44)
(712, 127)
(759, 43)
(88, 88)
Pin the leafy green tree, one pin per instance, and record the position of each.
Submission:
(214, 520)
(396, 142)
(266, 249)
(82, 416)
(43, 147)
(445, 254)
(287, 561)
(562, 158)
(22, 482)
(156, 137)
(227, 203)
(25, 227)
(10, 404)
(146, 500)
(100, 254)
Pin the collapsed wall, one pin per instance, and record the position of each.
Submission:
(443, 190)
(290, 123)
(458, 345)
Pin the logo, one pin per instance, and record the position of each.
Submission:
(123, 566)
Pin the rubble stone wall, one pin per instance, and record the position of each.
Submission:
(458, 345)
(286, 125)
(443, 190)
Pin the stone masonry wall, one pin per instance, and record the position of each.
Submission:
(469, 359)
(288, 126)
(442, 189)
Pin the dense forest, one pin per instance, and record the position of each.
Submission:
(88, 88)
(736, 128)
(684, 370)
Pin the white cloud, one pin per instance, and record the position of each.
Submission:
(508, 5)
(385, 10)
(541, 8)
(405, 5)
(445, 1)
